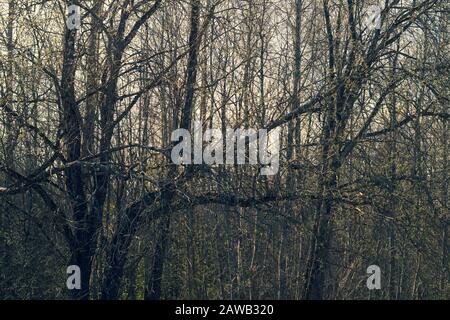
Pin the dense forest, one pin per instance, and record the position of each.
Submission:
(357, 92)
